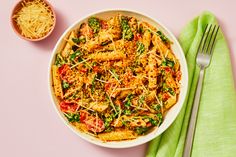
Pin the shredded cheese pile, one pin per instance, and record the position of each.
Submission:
(35, 19)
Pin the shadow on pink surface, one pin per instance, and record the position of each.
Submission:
(49, 43)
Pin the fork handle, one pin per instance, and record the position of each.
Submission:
(193, 118)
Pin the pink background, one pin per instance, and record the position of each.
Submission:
(29, 123)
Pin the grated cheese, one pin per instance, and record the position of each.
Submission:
(35, 19)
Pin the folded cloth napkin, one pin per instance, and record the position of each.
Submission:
(215, 134)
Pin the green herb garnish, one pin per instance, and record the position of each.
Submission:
(75, 54)
(153, 122)
(141, 130)
(59, 60)
(126, 30)
(93, 84)
(65, 85)
(79, 40)
(127, 112)
(128, 102)
(168, 63)
(163, 37)
(73, 117)
(94, 23)
(160, 118)
(141, 48)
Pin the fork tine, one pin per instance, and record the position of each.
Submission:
(206, 39)
(213, 43)
(202, 38)
(210, 40)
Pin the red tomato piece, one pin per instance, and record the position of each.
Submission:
(137, 36)
(83, 116)
(166, 96)
(68, 106)
(107, 86)
(94, 124)
(63, 71)
(104, 25)
(167, 69)
(83, 70)
(96, 69)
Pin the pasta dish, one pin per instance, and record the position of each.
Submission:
(115, 79)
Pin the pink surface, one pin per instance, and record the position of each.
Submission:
(29, 124)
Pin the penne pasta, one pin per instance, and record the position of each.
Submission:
(117, 135)
(57, 82)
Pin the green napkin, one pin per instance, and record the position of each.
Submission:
(215, 134)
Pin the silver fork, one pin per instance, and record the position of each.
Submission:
(203, 60)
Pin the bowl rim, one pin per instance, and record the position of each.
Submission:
(23, 37)
(183, 67)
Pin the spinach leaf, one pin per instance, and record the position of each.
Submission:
(73, 117)
(59, 60)
(128, 102)
(141, 130)
(168, 62)
(141, 47)
(94, 23)
(163, 37)
(126, 30)
(75, 54)
(79, 40)
(93, 84)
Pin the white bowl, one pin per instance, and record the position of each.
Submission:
(171, 114)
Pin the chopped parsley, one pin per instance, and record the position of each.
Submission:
(65, 85)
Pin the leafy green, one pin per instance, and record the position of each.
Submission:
(93, 84)
(156, 107)
(141, 30)
(141, 100)
(94, 23)
(153, 122)
(109, 129)
(59, 60)
(141, 47)
(79, 40)
(168, 63)
(126, 30)
(128, 102)
(107, 121)
(73, 117)
(75, 54)
(171, 91)
(141, 130)
(160, 118)
(127, 112)
(65, 84)
(163, 37)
